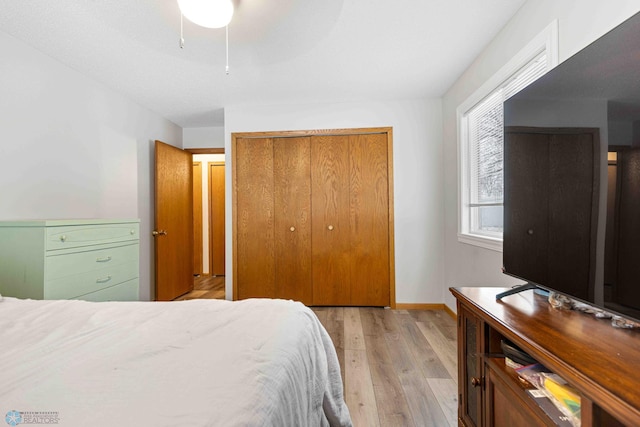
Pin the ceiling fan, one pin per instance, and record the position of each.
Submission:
(208, 14)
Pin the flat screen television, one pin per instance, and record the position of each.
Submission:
(572, 176)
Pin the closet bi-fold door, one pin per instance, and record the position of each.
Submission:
(313, 217)
(292, 190)
(350, 216)
(255, 218)
(369, 219)
(331, 248)
(273, 218)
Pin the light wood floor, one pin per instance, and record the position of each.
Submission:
(399, 367)
(206, 287)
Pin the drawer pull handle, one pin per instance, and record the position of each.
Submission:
(330, 228)
(63, 238)
(132, 232)
(103, 280)
(105, 259)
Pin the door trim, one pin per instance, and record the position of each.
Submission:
(307, 133)
(205, 150)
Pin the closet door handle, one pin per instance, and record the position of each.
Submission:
(159, 233)
(330, 228)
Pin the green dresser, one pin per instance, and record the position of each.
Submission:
(93, 260)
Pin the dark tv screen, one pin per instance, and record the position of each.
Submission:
(572, 176)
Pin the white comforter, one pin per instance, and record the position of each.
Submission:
(192, 363)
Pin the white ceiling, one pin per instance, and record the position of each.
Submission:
(280, 51)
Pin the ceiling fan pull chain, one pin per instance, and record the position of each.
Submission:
(226, 28)
(181, 32)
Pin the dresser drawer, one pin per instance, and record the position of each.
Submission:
(70, 264)
(73, 236)
(79, 284)
(127, 291)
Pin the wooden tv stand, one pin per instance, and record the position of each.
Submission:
(602, 362)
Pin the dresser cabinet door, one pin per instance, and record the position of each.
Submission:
(471, 384)
(505, 408)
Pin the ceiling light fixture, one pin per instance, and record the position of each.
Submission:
(207, 13)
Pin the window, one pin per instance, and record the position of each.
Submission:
(480, 130)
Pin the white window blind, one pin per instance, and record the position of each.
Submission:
(485, 127)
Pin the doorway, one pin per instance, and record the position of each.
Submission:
(209, 224)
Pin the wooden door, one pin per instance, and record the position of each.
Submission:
(330, 220)
(197, 218)
(369, 220)
(292, 205)
(174, 221)
(255, 221)
(347, 203)
(216, 218)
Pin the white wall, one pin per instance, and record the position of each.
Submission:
(417, 167)
(72, 148)
(205, 137)
(580, 22)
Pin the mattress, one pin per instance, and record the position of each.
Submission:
(255, 362)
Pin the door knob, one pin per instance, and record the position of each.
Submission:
(159, 233)
(292, 229)
(330, 228)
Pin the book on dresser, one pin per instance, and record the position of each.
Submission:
(550, 408)
(88, 259)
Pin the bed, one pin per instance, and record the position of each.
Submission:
(254, 362)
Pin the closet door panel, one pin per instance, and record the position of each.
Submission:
(255, 218)
(369, 220)
(292, 192)
(330, 220)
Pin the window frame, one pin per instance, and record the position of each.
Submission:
(547, 42)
